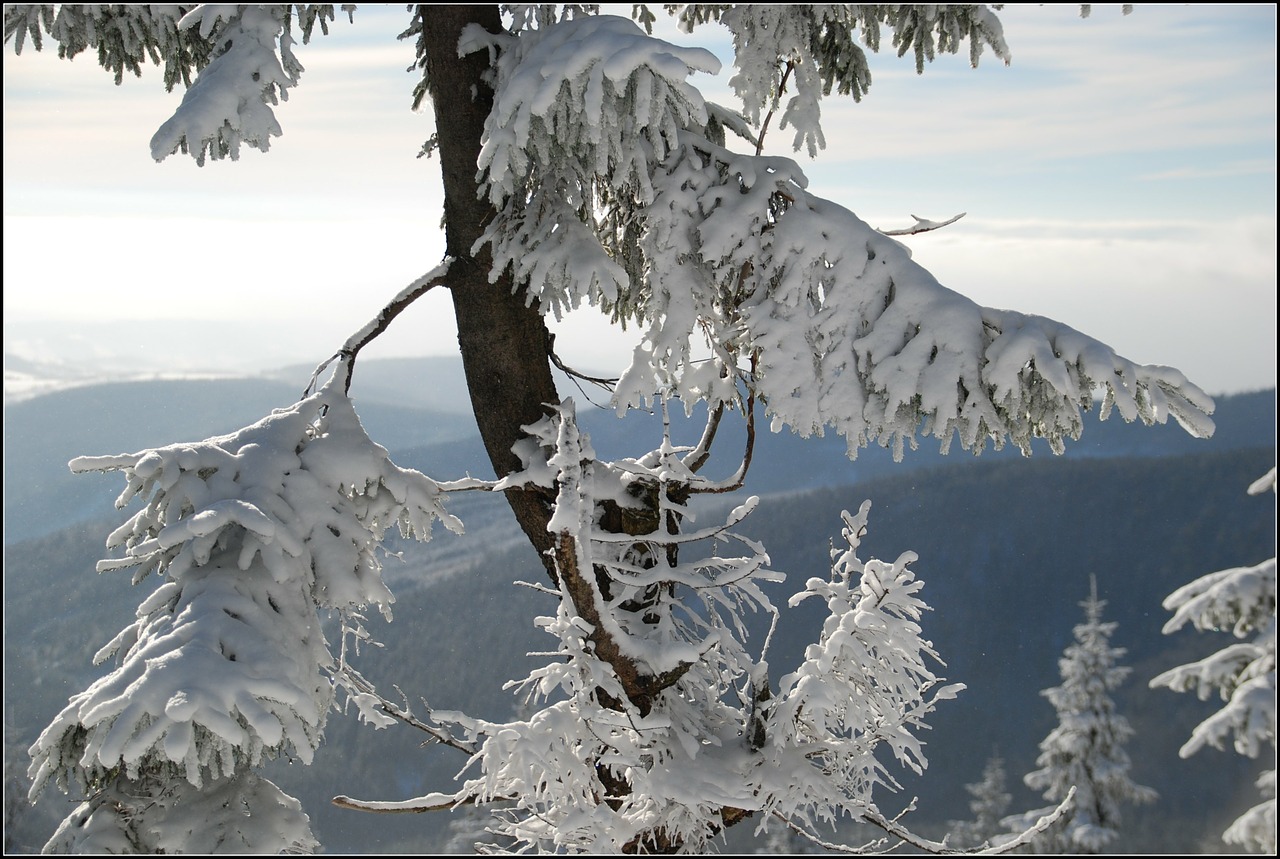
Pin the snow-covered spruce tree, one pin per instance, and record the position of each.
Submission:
(581, 167)
(1086, 749)
(1242, 600)
(989, 806)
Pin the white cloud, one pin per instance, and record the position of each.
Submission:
(340, 214)
(1249, 167)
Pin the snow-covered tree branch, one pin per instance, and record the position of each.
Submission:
(254, 535)
(728, 254)
(582, 166)
(1243, 601)
(655, 726)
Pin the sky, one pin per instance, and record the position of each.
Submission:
(1118, 175)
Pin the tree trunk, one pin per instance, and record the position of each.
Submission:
(503, 340)
(505, 348)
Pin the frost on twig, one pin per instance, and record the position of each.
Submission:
(652, 726)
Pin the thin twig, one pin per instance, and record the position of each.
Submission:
(782, 87)
(923, 226)
(897, 830)
(440, 735)
(736, 482)
(379, 323)
(607, 384)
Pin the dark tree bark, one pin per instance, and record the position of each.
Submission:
(507, 357)
(503, 340)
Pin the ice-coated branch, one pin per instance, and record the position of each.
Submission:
(906, 836)
(923, 226)
(438, 734)
(418, 805)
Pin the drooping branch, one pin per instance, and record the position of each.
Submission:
(897, 830)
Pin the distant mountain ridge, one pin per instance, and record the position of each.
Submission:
(418, 408)
(1005, 551)
(41, 435)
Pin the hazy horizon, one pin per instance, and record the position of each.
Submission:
(1119, 177)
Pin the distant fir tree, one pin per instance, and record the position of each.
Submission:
(989, 805)
(1242, 600)
(1086, 748)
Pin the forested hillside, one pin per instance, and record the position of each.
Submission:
(1006, 548)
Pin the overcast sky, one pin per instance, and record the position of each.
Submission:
(1119, 176)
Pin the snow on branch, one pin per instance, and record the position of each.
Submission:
(124, 36)
(924, 226)
(241, 814)
(821, 47)
(581, 109)
(1241, 600)
(848, 332)
(374, 327)
(229, 103)
(640, 559)
(863, 686)
(590, 770)
(236, 62)
(254, 533)
(610, 192)
(242, 55)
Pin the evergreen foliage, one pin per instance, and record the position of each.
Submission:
(580, 167)
(227, 666)
(1242, 600)
(1086, 749)
(989, 805)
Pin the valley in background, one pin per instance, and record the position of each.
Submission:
(1006, 548)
